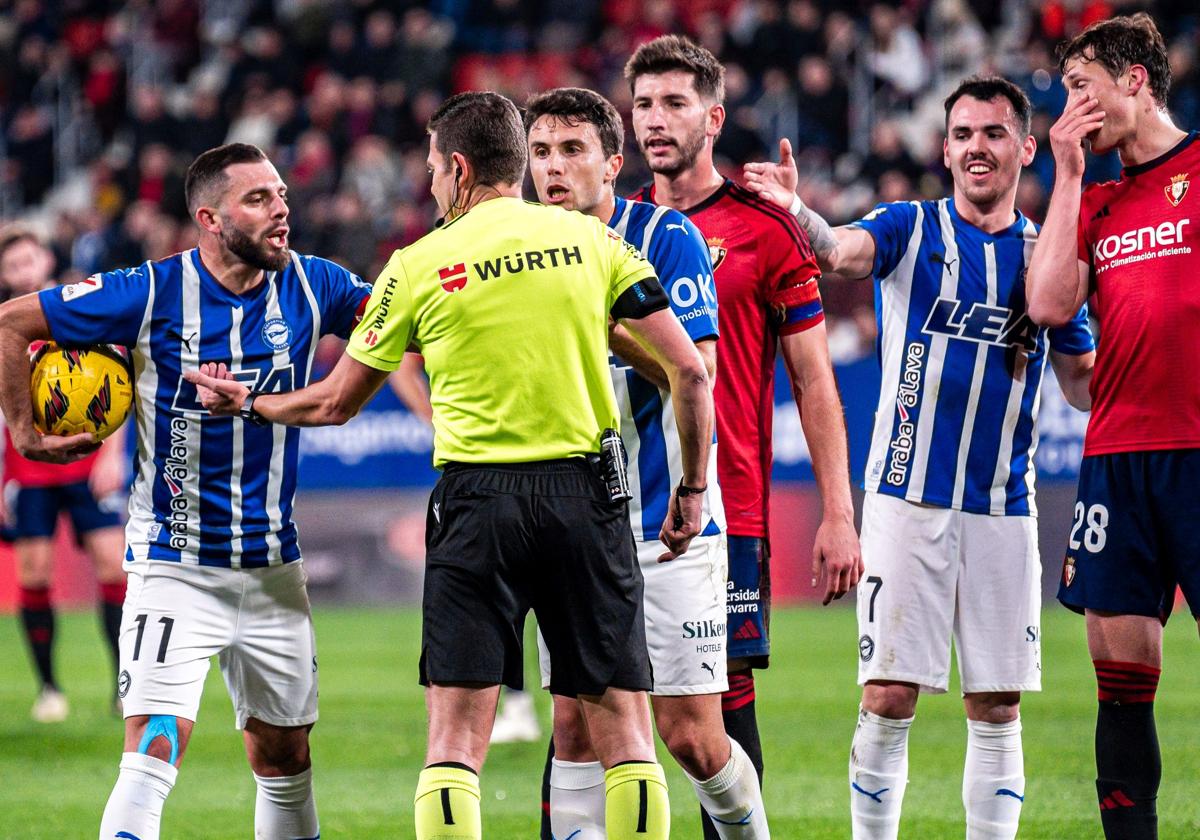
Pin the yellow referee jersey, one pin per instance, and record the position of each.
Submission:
(509, 306)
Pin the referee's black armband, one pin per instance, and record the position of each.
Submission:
(640, 299)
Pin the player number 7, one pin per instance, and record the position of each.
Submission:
(878, 581)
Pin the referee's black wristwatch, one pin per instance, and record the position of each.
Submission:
(683, 490)
(247, 412)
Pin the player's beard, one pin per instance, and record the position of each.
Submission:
(688, 150)
(256, 253)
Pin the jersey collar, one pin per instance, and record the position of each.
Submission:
(1017, 228)
(1130, 171)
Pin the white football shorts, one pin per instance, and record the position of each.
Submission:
(685, 618)
(256, 621)
(932, 574)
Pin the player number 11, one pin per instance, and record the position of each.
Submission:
(167, 623)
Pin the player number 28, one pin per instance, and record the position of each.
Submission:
(1096, 518)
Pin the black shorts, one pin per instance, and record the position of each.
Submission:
(501, 539)
(748, 601)
(1134, 539)
(35, 511)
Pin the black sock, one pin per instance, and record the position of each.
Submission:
(37, 617)
(546, 833)
(737, 710)
(1128, 770)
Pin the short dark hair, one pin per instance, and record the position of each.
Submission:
(206, 175)
(1119, 43)
(674, 52)
(485, 128)
(575, 106)
(987, 88)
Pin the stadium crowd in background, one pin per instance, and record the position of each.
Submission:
(103, 104)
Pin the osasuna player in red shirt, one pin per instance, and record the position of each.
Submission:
(1133, 245)
(34, 495)
(766, 283)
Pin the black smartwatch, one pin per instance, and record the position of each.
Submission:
(683, 490)
(247, 412)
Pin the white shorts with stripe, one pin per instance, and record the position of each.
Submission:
(257, 622)
(934, 574)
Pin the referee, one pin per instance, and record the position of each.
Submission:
(509, 302)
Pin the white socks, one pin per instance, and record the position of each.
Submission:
(135, 805)
(577, 800)
(878, 775)
(993, 780)
(733, 799)
(285, 808)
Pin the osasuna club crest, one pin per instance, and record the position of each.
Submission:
(1177, 189)
(1068, 575)
(716, 252)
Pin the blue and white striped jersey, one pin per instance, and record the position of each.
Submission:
(679, 253)
(962, 362)
(213, 491)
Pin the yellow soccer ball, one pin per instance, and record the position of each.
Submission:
(81, 389)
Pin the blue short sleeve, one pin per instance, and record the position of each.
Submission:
(341, 294)
(679, 254)
(105, 308)
(891, 226)
(1075, 338)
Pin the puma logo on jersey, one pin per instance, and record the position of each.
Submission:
(678, 227)
(178, 336)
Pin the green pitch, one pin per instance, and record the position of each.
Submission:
(54, 780)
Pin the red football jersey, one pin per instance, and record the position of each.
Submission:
(1141, 237)
(766, 281)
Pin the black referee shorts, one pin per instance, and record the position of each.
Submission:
(501, 539)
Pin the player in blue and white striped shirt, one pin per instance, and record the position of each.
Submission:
(575, 140)
(212, 557)
(949, 532)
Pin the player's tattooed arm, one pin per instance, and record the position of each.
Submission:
(844, 251)
(21, 323)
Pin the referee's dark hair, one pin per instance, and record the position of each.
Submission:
(987, 88)
(206, 178)
(576, 106)
(674, 52)
(1119, 43)
(485, 128)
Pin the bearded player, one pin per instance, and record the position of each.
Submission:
(1132, 245)
(766, 282)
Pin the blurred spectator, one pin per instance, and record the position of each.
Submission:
(888, 155)
(897, 59)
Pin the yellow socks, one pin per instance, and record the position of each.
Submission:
(635, 803)
(447, 804)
